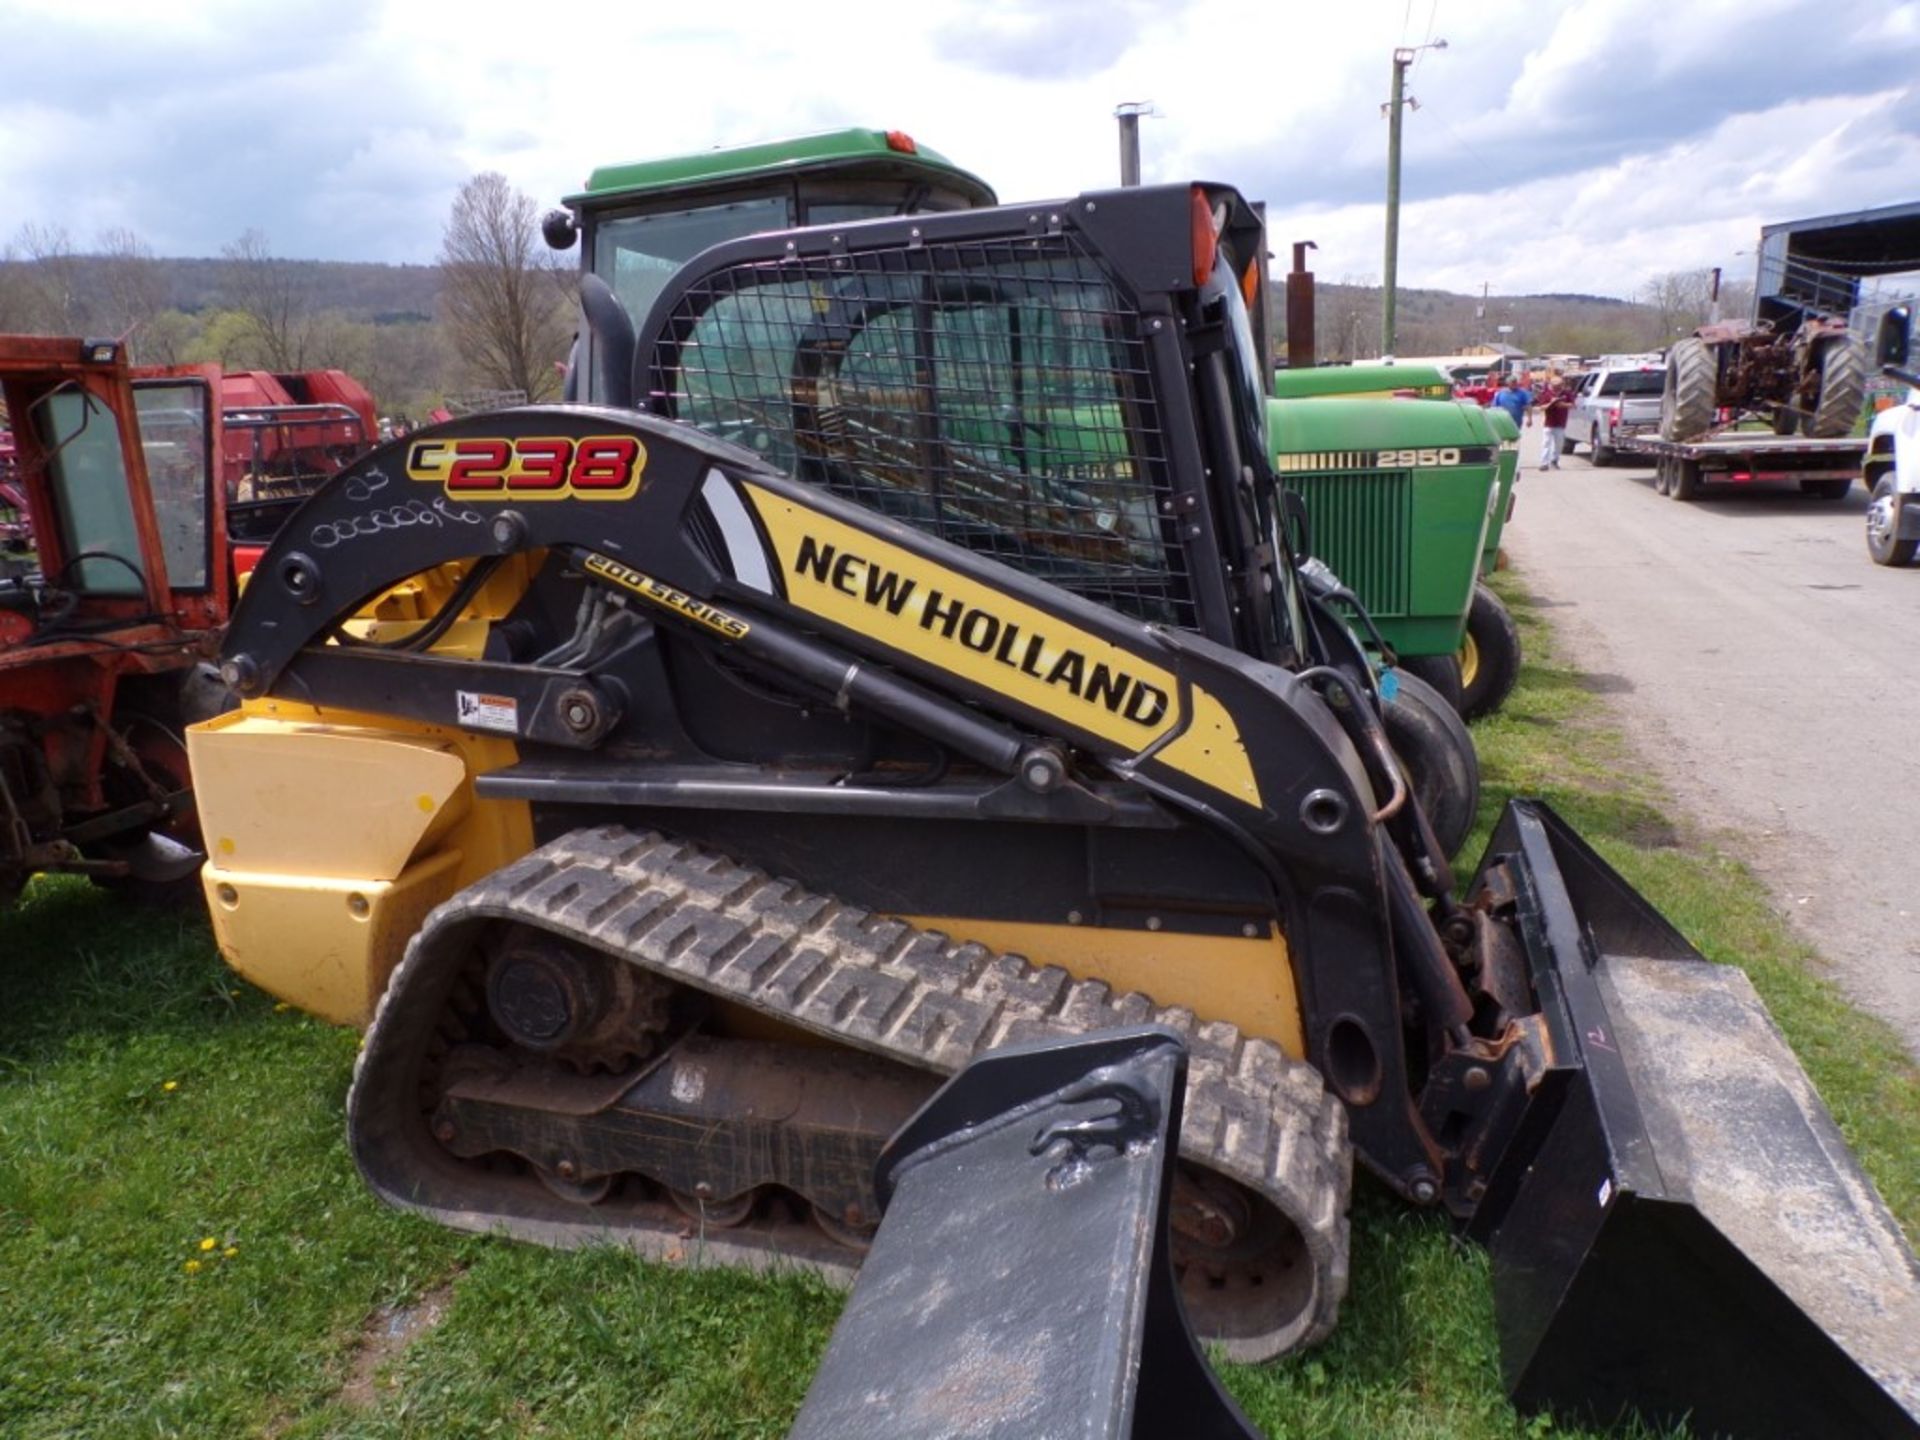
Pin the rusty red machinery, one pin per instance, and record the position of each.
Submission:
(283, 434)
(116, 595)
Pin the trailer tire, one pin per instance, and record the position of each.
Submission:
(1884, 547)
(1684, 482)
(1662, 475)
(1843, 389)
(1686, 400)
(1490, 655)
(1438, 756)
(1443, 672)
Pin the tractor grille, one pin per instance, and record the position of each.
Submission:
(994, 393)
(1361, 527)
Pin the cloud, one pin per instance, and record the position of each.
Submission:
(1572, 146)
(1062, 39)
(1608, 229)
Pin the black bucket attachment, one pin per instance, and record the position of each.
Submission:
(1680, 1229)
(1020, 1284)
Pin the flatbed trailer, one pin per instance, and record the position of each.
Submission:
(1824, 469)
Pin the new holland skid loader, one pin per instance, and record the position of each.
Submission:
(905, 657)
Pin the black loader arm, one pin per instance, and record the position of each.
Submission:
(700, 534)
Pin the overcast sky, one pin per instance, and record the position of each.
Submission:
(1582, 146)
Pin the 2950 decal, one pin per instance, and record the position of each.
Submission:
(531, 467)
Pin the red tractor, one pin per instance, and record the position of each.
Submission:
(283, 435)
(116, 596)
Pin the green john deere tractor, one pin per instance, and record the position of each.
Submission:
(639, 223)
(1407, 491)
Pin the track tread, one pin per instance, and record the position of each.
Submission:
(1253, 1113)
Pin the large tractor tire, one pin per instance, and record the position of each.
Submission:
(1444, 673)
(1433, 744)
(1843, 389)
(1686, 403)
(1489, 656)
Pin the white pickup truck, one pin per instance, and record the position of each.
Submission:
(1612, 403)
(1892, 466)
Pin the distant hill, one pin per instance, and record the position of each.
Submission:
(1440, 322)
(1430, 322)
(380, 294)
(367, 293)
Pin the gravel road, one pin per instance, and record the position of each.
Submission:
(1769, 673)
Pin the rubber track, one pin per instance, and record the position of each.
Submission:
(881, 985)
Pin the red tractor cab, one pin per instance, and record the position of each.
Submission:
(113, 600)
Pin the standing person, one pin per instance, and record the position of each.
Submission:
(1554, 406)
(1514, 400)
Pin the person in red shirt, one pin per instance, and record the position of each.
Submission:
(1554, 405)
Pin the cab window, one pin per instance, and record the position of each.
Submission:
(173, 438)
(1634, 382)
(637, 254)
(87, 472)
(995, 396)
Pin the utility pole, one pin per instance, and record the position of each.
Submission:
(1402, 58)
(1128, 113)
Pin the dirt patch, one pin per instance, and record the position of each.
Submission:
(387, 1333)
(1603, 684)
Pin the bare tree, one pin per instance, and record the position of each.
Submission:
(129, 291)
(1347, 319)
(272, 295)
(1680, 299)
(504, 301)
(44, 294)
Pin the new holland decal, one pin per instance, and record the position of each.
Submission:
(531, 467)
(970, 629)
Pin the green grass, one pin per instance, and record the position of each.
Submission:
(150, 1101)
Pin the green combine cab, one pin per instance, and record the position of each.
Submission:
(1407, 492)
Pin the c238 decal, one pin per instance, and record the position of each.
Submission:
(531, 467)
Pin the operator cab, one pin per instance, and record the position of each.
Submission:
(112, 503)
(638, 223)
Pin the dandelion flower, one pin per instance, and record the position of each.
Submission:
(231, 1251)
(192, 1267)
(282, 1008)
(171, 1085)
(209, 1243)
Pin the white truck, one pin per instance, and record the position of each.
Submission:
(1892, 467)
(1616, 401)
